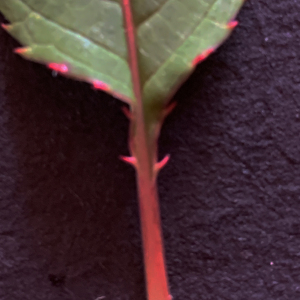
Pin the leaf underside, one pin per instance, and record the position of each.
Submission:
(89, 38)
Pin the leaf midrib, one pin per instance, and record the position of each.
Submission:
(132, 52)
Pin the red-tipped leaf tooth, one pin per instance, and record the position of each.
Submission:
(100, 85)
(129, 159)
(5, 26)
(61, 68)
(232, 24)
(202, 56)
(127, 112)
(158, 166)
(170, 108)
(21, 50)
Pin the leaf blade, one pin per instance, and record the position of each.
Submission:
(52, 41)
(202, 37)
(89, 36)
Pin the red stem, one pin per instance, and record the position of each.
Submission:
(143, 140)
(155, 270)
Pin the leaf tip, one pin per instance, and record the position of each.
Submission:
(202, 56)
(99, 85)
(61, 68)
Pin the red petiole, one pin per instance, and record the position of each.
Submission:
(144, 130)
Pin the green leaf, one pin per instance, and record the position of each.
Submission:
(89, 37)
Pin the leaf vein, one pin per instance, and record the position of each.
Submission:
(174, 52)
(87, 66)
(76, 33)
(156, 11)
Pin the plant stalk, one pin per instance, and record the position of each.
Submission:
(154, 260)
(143, 146)
(145, 123)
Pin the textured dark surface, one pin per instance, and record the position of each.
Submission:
(230, 196)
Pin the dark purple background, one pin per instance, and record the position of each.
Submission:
(230, 196)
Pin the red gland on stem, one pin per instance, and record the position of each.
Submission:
(129, 159)
(162, 163)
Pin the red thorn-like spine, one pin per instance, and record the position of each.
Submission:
(202, 56)
(162, 163)
(127, 112)
(61, 68)
(99, 85)
(232, 24)
(129, 159)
